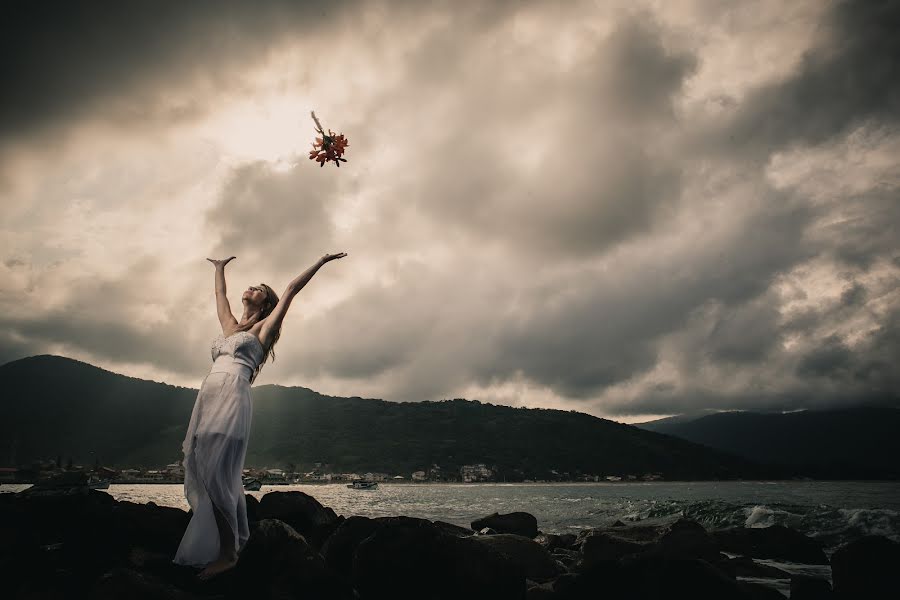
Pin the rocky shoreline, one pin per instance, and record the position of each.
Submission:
(80, 543)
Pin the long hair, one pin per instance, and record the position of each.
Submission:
(267, 307)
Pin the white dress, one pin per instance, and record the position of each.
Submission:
(215, 447)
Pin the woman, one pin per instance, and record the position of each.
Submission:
(216, 442)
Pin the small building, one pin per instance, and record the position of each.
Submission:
(477, 472)
(175, 469)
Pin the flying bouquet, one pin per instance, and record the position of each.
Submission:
(328, 147)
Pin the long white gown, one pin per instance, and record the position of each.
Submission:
(215, 447)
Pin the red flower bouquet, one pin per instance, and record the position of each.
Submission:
(328, 147)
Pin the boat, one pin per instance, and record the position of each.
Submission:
(362, 484)
(252, 484)
(97, 483)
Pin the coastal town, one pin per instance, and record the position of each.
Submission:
(289, 474)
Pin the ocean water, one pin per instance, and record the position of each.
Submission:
(833, 512)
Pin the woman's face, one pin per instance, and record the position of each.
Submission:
(255, 295)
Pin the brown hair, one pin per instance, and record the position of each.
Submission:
(267, 307)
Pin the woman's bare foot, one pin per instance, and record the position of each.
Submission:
(217, 566)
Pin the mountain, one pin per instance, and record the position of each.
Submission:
(55, 406)
(844, 443)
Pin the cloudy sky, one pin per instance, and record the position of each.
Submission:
(625, 208)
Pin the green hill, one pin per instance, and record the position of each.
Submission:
(847, 443)
(58, 406)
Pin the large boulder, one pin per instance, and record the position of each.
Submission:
(519, 523)
(867, 568)
(601, 547)
(525, 554)
(413, 558)
(60, 537)
(644, 532)
(302, 512)
(687, 538)
(280, 560)
(150, 526)
(804, 587)
(340, 546)
(645, 577)
(128, 583)
(454, 529)
(776, 542)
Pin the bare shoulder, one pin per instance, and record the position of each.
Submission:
(229, 331)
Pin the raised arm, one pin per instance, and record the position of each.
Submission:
(273, 322)
(226, 318)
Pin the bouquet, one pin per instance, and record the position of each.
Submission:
(328, 147)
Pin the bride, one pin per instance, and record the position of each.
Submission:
(216, 442)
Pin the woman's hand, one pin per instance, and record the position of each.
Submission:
(221, 263)
(331, 257)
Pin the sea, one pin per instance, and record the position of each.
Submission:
(833, 512)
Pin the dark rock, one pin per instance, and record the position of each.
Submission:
(744, 566)
(341, 544)
(520, 523)
(565, 558)
(867, 568)
(804, 587)
(252, 508)
(144, 559)
(526, 554)
(618, 523)
(688, 539)
(654, 578)
(605, 547)
(565, 584)
(159, 528)
(302, 512)
(758, 591)
(128, 583)
(777, 542)
(69, 538)
(454, 529)
(279, 560)
(551, 541)
(540, 591)
(645, 532)
(413, 558)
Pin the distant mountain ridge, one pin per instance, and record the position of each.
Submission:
(861, 442)
(58, 406)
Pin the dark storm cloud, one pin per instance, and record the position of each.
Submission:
(867, 229)
(605, 330)
(851, 76)
(601, 178)
(126, 61)
(575, 332)
(855, 295)
(97, 318)
(823, 372)
(831, 359)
